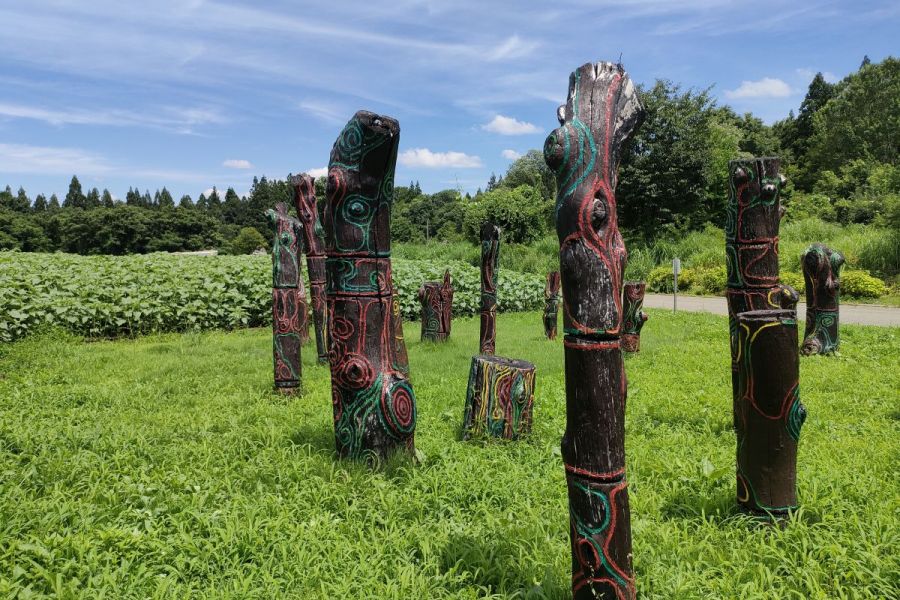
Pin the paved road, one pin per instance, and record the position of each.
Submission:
(859, 314)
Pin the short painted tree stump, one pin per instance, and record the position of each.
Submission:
(633, 317)
(436, 298)
(822, 275)
(500, 397)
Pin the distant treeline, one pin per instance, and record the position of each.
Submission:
(840, 154)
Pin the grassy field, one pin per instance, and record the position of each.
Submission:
(165, 467)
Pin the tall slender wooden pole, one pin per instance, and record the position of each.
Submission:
(374, 403)
(601, 113)
(287, 305)
(551, 304)
(304, 192)
(490, 258)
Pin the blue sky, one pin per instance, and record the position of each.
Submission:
(198, 93)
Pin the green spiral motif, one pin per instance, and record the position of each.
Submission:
(796, 416)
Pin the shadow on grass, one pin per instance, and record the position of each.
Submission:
(717, 507)
(495, 564)
(319, 438)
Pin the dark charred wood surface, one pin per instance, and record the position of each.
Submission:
(436, 298)
(822, 275)
(601, 113)
(374, 403)
(304, 193)
(490, 260)
(287, 305)
(551, 304)
(768, 413)
(634, 318)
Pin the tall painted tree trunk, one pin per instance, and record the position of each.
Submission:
(551, 304)
(436, 298)
(287, 306)
(822, 275)
(490, 259)
(601, 113)
(768, 413)
(634, 316)
(374, 403)
(304, 192)
(764, 353)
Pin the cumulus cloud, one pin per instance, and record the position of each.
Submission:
(317, 172)
(237, 163)
(510, 126)
(423, 157)
(767, 87)
(511, 154)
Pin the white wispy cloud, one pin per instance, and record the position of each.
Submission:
(511, 154)
(325, 111)
(20, 158)
(237, 163)
(423, 157)
(178, 119)
(317, 172)
(767, 87)
(510, 126)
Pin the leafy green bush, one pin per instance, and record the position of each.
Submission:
(660, 279)
(106, 296)
(793, 279)
(860, 284)
(709, 280)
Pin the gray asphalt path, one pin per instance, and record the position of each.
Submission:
(859, 314)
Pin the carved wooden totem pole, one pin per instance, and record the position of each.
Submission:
(601, 113)
(500, 394)
(304, 192)
(436, 298)
(402, 359)
(287, 306)
(822, 274)
(374, 403)
(490, 257)
(634, 318)
(764, 355)
(551, 304)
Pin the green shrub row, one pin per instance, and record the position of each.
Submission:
(110, 296)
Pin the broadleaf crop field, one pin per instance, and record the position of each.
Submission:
(164, 467)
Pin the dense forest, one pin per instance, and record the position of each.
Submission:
(840, 154)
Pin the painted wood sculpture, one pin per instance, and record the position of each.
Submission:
(601, 113)
(490, 258)
(752, 218)
(551, 304)
(822, 274)
(768, 413)
(436, 298)
(763, 331)
(304, 193)
(402, 359)
(287, 307)
(374, 403)
(634, 317)
(500, 394)
(499, 398)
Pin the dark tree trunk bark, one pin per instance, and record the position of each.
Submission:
(436, 298)
(634, 316)
(551, 304)
(374, 403)
(287, 306)
(490, 257)
(304, 192)
(822, 275)
(601, 113)
(768, 413)
(499, 398)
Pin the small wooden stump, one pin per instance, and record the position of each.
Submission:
(633, 317)
(500, 397)
(551, 304)
(436, 298)
(768, 413)
(822, 274)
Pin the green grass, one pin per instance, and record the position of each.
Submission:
(165, 467)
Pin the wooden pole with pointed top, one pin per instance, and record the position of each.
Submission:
(304, 193)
